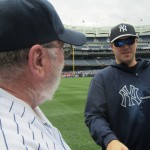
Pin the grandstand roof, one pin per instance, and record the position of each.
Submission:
(104, 31)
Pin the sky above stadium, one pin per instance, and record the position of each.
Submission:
(102, 13)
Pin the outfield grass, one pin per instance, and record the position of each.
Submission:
(66, 112)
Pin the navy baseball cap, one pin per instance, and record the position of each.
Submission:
(122, 30)
(24, 23)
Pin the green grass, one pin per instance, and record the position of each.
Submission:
(66, 112)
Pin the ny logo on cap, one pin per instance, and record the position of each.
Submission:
(123, 28)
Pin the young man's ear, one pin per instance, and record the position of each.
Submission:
(36, 63)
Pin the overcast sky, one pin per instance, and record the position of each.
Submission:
(103, 12)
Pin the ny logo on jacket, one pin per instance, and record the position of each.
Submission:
(131, 96)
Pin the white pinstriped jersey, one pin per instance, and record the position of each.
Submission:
(21, 128)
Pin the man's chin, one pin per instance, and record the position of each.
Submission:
(49, 94)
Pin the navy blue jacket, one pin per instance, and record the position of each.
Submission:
(118, 106)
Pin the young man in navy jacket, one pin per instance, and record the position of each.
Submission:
(118, 102)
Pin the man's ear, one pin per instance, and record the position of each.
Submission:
(36, 63)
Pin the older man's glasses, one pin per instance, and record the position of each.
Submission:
(121, 42)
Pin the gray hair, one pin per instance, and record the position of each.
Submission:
(13, 58)
(11, 63)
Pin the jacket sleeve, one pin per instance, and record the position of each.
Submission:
(96, 116)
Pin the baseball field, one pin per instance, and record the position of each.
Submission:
(66, 112)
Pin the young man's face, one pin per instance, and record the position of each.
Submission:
(124, 49)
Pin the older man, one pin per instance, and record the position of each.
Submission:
(31, 61)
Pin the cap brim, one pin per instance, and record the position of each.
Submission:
(122, 36)
(72, 37)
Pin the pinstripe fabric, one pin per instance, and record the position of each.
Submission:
(21, 128)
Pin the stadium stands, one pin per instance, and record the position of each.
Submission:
(97, 53)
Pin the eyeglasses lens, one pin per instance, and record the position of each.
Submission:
(121, 42)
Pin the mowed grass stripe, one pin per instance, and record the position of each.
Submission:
(66, 112)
